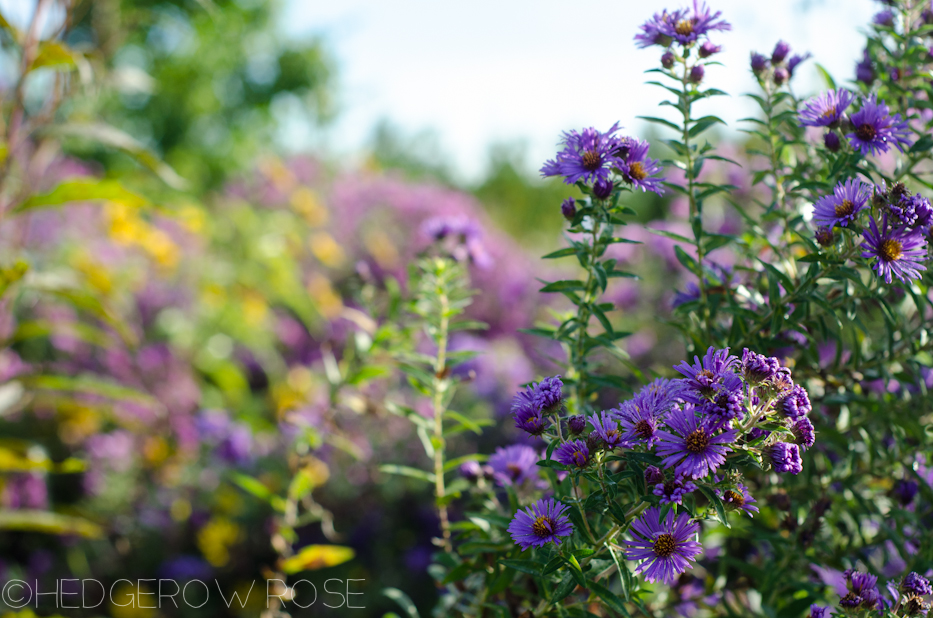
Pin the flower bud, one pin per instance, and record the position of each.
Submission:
(667, 60)
(780, 52)
(697, 73)
(568, 208)
(603, 188)
(576, 424)
(831, 141)
(707, 49)
(781, 75)
(759, 64)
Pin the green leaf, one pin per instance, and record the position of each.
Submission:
(566, 586)
(563, 286)
(608, 597)
(83, 191)
(314, 557)
(661, 121)
(560, 253)
(403, 601)
(702, 124)
(923, 144)
(717, 504)
(408, 471)
(525, 566)
(54, 54)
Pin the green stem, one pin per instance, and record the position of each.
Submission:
(441, 384)
(577, 369)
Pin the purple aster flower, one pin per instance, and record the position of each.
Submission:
(818, 612)
(541, 523)
(653, 475)
(513, 465)
(527, 414)
(827, 109)
(666, 547)
(875, 129)
(471, 470)
(685, 27)
(759, 64)
(673, 492)
(832, 142)
(651, 30)
(602, 188)
(917, 584)
(576, 424)
(781, 49)
(607, 428)
(707, 49)
(758, 368)
(912, 210)
(697, 73)
(796, 403)
(586, 156)
(804, 434)
(637, 168)
(568, 208)
(786, 458)
(905, 491)
(706, 375)
(738, 499)
(574, 454)
(863, 591)
(639, 423)
(691, 293)
(897, 252)
(841, 208)
(691, 446)
(548, 393)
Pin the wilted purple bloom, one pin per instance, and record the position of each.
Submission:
(586, 156)
(471, 470)
(706, 375)
(667, 547)
(917, 584)
(673, 492)
(827, 109)
(707, 49)
(637, 168)
(576, 424)
(691, 446)
(884, 18)
(607, 428)
(513, 465)
(568, 208)
(738, 499)
(905, 491)
(864, 72)
(842, 207)
(758, 368)
(794, 61)
(781, 75)
(548, 394)
(804, 434)
(875, 130)
(686, 27)
(653, 475)
(796, 403)
(818, 612)
(786, 458)
(781, 49)
(574, 454)
(912, 210)
(897, 252)
(541, 523)
(824, 236)
(759, 64)
(697, 73)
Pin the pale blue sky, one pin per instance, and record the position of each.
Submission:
(497, 70)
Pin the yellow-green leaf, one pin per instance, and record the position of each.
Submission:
(49, 523)
(83, 190)
(315, 557)
(54, 54)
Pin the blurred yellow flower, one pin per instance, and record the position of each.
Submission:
(326, 249)
(306, 203)
(321, 292)
(216, 538)
(129, 601)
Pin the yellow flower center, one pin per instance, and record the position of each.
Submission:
(665, 545)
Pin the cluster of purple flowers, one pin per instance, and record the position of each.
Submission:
(531, 407)
(870, 130)
(898, 246)
(592, 156)
(690, 424)
(778, 68)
